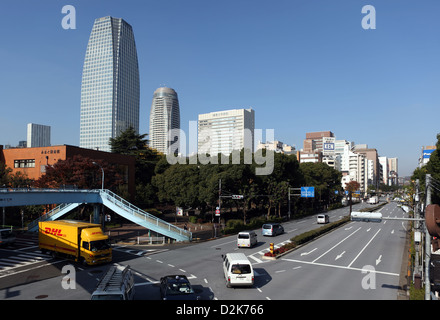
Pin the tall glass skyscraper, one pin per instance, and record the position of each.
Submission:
(110, 84)
(165, 121)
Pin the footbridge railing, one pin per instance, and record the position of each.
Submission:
(143, 218)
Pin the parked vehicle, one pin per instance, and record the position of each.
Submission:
(272, 229)
(7, 237)
(322, 218)
(247, 239)
(237, 270)
(84, 242)
(116, 284)
(176, 287)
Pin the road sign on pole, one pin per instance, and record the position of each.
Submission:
(217, 212)
(307, 192)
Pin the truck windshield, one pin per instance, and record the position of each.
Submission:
(99, 245)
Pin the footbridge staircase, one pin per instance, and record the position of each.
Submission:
(71, 199)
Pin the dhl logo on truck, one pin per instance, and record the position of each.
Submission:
(53, 231)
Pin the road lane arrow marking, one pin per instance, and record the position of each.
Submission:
(340, 255)
(392, 232)
(307, 253)
(378, 260)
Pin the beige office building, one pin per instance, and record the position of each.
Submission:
(224, 131)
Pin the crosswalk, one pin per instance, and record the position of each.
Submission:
(17, 257)
(22, 259)
(138, 252)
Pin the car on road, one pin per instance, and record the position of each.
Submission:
(246, 239)
(272, 229)
(7, 237)
(176, 287)
(322, 218)
(237, 270)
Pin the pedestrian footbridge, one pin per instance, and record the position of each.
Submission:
(71, 199)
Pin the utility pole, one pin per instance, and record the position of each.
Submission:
(417, 268)
(219, 197)
(427, 241)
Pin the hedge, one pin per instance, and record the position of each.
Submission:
(237, 225)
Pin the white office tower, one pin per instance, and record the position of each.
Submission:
(110, 84)
(165, 121)
(38, 135)
(224, 131)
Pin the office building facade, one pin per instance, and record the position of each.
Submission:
(38, 135)
(110, 84)
(225, 131)
(165, 121)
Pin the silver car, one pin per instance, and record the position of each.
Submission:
(272, 229)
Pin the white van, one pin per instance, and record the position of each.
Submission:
(246, 239)
(322, 218)
(238, 270)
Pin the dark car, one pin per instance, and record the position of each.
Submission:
(176, 287)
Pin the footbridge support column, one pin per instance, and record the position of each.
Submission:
(96, 213)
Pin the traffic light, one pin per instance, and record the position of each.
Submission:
(432, 217)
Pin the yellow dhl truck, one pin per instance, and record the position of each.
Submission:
(84, 242)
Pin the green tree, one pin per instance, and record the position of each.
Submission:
(4, 175)
(129, 142)
(178, 184)
(325, 179)
(433, 168)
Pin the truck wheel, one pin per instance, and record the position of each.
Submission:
(83, 262)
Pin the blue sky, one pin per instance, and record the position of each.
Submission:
(302, 65)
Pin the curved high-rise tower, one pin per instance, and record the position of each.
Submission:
(165, 121)
(110, 84)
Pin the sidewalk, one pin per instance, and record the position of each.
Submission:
(129, 232)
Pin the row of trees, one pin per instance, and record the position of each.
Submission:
(196, 185)
(433, 168)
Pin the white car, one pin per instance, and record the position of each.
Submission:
(322, 218)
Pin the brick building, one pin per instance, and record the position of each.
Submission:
(33, 161)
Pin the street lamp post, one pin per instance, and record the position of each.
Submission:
(102, 170)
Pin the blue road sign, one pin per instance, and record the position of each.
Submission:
(307, 192)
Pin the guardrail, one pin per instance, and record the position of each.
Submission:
(142, 215)
(150, 240)
(49, 214)
(7, 190)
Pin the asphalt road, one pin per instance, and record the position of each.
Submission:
(357, 261)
